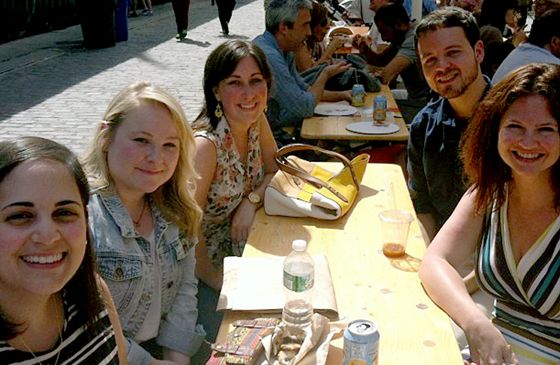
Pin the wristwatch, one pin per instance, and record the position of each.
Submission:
(254, 198)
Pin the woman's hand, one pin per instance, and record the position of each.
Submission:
(488, 346)
(242, 221)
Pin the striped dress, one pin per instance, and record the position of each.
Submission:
(77, 347)
(527, 307)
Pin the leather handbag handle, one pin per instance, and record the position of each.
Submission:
(284, 165)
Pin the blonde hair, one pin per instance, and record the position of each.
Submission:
(175, 198)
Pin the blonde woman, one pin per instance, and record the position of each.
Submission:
(144, 220)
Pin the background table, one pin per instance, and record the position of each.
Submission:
(367, 284)
(334, 127)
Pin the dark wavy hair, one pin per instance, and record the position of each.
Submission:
(482, 163)
(81, 289)
(448, 17)
(220, 64)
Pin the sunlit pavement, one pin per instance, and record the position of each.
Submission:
(51, 86)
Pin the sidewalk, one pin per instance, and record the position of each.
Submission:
(53, 87)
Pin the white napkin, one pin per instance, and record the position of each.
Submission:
(315, 346)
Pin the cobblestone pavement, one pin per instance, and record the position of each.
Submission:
(52, 87)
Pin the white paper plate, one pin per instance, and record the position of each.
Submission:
(367, 127)
(335, 109)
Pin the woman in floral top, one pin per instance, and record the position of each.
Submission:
(235, 153)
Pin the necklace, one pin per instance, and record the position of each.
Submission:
(137, 222)
(59, 337)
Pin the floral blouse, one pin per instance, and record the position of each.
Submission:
(232, 181)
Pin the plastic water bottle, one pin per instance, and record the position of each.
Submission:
(299, 277)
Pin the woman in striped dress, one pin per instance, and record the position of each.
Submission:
(53, 308)
(510, 218)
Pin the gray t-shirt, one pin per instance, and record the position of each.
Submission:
(412, 76)
(522, 55)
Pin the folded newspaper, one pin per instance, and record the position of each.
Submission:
(255, 284)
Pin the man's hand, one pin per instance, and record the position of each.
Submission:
(519, 37)
(335, 68)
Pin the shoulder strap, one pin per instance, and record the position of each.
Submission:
(285, 165)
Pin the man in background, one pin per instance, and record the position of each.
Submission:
(291, 99)
(399, 58)
(543, 46)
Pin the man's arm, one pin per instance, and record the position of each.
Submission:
(376, 58)
(417, 182)
(289, 92)
(318, 87)
(397, 65)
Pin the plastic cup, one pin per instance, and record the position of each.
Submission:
(394, 231)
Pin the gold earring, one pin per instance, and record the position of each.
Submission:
(266, 108)
(218, 112)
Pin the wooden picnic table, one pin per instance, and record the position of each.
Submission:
(334, 127)
(367, 284)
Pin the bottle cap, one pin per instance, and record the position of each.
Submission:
(299, 245)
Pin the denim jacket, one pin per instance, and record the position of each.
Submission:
(125, 262)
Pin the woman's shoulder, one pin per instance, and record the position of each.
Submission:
(104, 203)
(206, 139)
(98, 336)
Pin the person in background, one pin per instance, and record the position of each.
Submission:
(148, 10)
(495, 49)
(543, 46)
(235, 160)
(53, 307)
(399, 58)
(509, 218)
(494, 54)
(502, 14)
(291, 98)
(511, 26)
(373, 39)
(133, 8)
(181, 11)
(427, 7)
(542, 6)
(493, 12)
(358, 11)
(314, 51)
(472, 6)
(225, 11)
(145, 219)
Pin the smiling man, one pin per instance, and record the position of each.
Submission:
(450, 51)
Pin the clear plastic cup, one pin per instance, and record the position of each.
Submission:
(395, 225)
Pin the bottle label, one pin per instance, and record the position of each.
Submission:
(298, 283)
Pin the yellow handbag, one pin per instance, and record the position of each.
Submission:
(301, 188)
